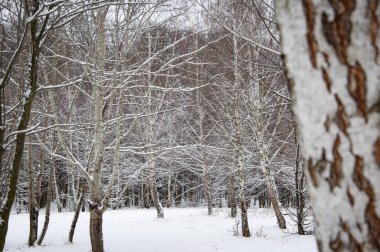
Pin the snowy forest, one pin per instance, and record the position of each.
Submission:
(202, 125)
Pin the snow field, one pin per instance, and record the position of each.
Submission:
(183, 229)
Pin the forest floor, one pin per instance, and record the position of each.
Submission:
(183, 229)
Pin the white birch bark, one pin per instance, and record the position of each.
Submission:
(238, 144)
(262, 147)
(150, 134)
(201, 138)
(332, 55)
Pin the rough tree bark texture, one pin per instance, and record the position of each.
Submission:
(96, 229)
(332, 55)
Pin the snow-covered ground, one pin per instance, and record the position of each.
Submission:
(183, 229)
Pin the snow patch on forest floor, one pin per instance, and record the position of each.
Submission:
(183, 229)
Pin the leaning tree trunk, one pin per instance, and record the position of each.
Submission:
(48, 205)
(272, 192)
(30, 90)
(77, 212)
(332, 55)
(258, 116)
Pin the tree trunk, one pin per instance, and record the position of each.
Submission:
(272, 191)
(96, 230)
(231, 195)
(77, 211)
(56, 190)
(207, 190)
(154, 194)
(141, 197)
(48, 204)
(244, 219)
(238, 143)
(33, 206)
(30, 91)
(299, 193)
(150, 138)
(333, 69)
(41, 169)
(169, 204)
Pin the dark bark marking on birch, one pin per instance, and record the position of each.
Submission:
(357, 88)
(326, 57)
(337, 32)
(342, 118)
(374, 25)
(353, 245)
(336, 166)
(310, 21)
(350, 197)
(319, 167)
(327, 79)
(336, 244)
(377, 150)
(313, 173)
(373, 221)
(327, 124)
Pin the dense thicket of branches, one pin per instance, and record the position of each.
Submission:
(134, 108)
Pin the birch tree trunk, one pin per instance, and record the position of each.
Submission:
(207, 186)
(150, 134)
(239, 158)
(95, 204)
(201, 138)
(48, 204)
(33, 206)
(263, 147)
(169, 204)
(153, 187)
(77, 211)
(332, 55)
(56, 191)
(231, 193)
(205, 169)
